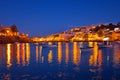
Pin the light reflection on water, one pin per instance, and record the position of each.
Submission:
(66, 53)
(76, 53)
(59, 56)
(66, 61)
(8, 55)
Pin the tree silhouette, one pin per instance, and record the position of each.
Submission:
(118, 24)
(14, 28)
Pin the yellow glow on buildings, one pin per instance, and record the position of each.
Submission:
(59, 52)
(50, 38)
(42, 39)
(7, 31)
(37, 53)
(27, 53)
(18, 54)
(67, 53)
(50, 56)
(9, 55)
(23, 53)
(36, 39)
(76, 53)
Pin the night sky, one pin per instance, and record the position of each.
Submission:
(43, 17)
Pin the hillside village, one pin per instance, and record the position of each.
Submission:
(101, 32)
(10, 34)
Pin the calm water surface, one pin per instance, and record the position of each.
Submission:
(66, 61)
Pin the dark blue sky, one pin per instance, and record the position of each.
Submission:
(43, 17)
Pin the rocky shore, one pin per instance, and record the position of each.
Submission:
(13, 39)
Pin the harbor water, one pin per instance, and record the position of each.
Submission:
(61, 61)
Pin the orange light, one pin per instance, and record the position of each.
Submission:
(95, 53)
(59, 52)
(23, 54)
(76, 53)
(9, 55)
(27, 53)
(67, 53)
(50, 56)
(36, 53)
(18, 53)
(7, 31)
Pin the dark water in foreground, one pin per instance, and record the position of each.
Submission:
(66, 61)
